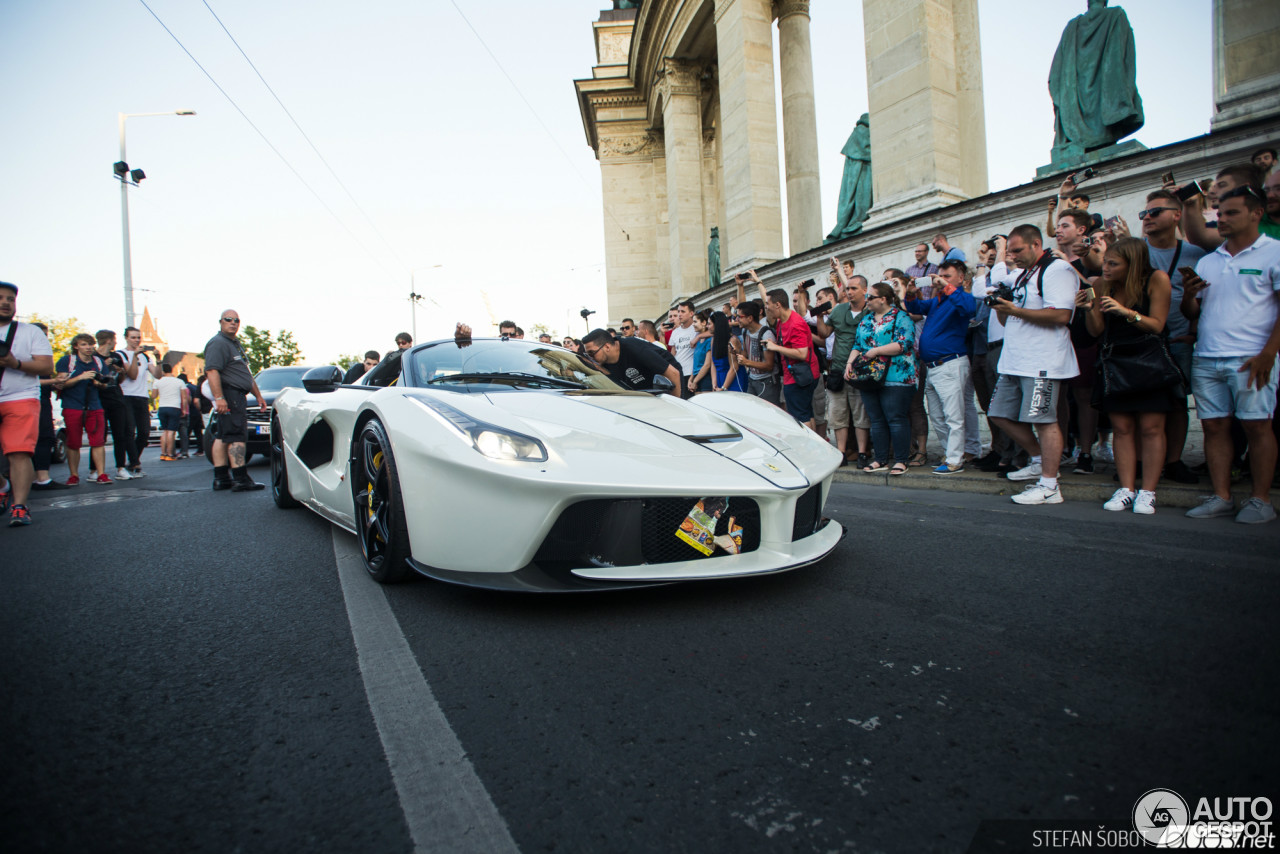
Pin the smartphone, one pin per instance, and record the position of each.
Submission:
(741, 277)
(1166, 178)
(1111, 222)
(1188, 271)
(1088, 294)
(807, 283)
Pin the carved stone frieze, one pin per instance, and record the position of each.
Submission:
(632, 144)
(787, 8)
(679, 78)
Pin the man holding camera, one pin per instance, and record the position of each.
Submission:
(133, 385)
(25, 357)
(795, 347)
(1036, 358)
(80, 373)
(230, 380)
(944, 353)
(844, 406)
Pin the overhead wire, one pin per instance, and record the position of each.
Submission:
(257, 130)
(305, 136)
(535, 113)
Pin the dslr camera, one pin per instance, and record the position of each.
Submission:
(1002, 291)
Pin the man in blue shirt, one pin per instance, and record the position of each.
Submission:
(943, 351)
(949, 252)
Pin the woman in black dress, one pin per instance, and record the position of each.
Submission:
(1132, 304)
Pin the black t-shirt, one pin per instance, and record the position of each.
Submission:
(354, 373)
(639, 362)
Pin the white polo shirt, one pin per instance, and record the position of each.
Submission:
(1239, 308)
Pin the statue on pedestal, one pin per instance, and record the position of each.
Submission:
(713, 259)
(626, 4)
(1093, 83)
(855, 186)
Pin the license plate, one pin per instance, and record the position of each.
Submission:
(262, 429)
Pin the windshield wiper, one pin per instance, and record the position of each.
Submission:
(508, 375)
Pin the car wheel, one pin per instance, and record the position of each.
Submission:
(59, 452)
(206, 441)
(279, 474)
(379, 509)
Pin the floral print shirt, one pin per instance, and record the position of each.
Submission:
(894, 325)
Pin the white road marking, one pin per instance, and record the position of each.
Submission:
(445, 805)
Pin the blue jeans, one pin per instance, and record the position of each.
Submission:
(889, 409)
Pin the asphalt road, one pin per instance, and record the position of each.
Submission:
(180, 674)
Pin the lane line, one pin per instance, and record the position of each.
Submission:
(445, 805)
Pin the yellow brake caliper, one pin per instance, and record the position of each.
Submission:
(377, 464)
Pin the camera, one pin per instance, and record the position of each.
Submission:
(585, 313)
(1002, 292)
(821, 308)
(4, 349)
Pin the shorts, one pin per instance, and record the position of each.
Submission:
(91, 421)
(766, 388)
(170, 417)
(1030, 400)
(230, 427)
(1219, 387)
(19, 426)
(799, 399)
(844, 406)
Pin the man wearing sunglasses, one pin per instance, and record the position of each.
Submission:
(1160, 221)
(231, 381)
(628, 328)
(632, 362)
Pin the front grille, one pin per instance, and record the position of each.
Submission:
(808, 516)
(630, 532)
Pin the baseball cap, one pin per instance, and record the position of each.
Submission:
(10, 286)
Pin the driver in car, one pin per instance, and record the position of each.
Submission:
(632, 362)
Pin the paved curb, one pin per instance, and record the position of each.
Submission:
(1095, 488)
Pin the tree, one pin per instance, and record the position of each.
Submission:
(263, 351)
(346, 360)
(60, 332)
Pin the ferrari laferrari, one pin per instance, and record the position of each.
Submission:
(515, 465)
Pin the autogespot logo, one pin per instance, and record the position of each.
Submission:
(1161, 817)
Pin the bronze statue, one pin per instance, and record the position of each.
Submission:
(855, 186)
(713, 259)
(1093, 83)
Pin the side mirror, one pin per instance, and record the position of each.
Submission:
(662, 385)
(322, 379)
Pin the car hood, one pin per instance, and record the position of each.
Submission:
(644, 425)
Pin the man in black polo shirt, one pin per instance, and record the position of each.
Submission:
(230, 381)
(632, 362)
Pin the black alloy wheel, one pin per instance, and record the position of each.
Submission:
(379, 510)
(279, 473)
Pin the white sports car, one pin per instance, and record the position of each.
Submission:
(516, 465)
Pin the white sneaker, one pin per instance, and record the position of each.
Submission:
(1145, 503)
(1104, 453)
(1031, 472)
(1038, 493)
(1121, 500)
(123, 474)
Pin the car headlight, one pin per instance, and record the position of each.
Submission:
(491, 440)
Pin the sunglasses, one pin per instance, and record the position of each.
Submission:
(1241, 192)
(627, 328)
(1153, 212)
(230, 320)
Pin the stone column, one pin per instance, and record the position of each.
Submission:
(799, 126)
(634, 202)
(751, 231)
(1246, 68)
(924, 80)
(682, 140)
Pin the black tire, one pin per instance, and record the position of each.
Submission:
(206, 441)
(378, 506)
(279, 473)
(59, 452)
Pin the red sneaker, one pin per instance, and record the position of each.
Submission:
(19, 515)
(4, 501)
(74, 480)
(102, 478)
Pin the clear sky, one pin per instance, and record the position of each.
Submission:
(447, 162)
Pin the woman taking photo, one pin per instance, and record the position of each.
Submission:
(886, 333)
(724, 356)
(919, 418)
(703, 371)
(1137, 382)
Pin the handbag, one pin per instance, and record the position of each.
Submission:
(869, 374)
(801, 372)
(1140, 365)
(835, 380)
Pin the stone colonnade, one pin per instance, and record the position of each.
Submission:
(681, 112)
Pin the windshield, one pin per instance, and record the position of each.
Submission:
(513, 364)
(274, 379)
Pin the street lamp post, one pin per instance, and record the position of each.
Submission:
(124, 174)
(414, 299)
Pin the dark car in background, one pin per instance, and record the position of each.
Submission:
(271, 381)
